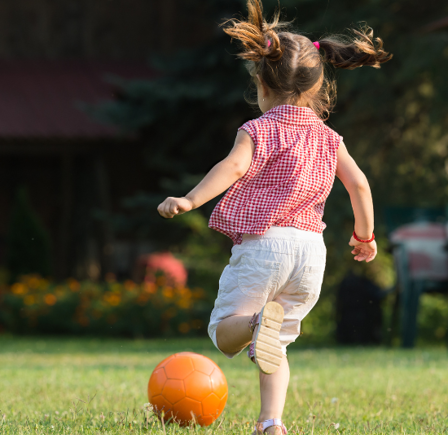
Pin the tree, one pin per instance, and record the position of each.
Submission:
(393, 120)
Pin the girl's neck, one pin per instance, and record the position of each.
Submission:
(300, 103)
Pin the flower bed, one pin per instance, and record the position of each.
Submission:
(36, 306)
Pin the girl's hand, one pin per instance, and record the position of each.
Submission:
(363, 251)
(173, 206)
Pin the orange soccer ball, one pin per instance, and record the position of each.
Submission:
(188, 388)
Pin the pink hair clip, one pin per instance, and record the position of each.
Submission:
(269, 43)
(316, 44)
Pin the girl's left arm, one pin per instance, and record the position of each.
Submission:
(218, 180)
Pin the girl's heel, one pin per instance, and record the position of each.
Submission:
(261, 426)
(265, 349)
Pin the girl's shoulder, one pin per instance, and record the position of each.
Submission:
(299, 119)
(333, 138)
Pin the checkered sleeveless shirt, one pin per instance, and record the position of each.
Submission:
(290, 177)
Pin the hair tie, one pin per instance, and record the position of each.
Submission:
(269, 43)
(316, 44)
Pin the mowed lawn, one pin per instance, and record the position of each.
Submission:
(87, 386)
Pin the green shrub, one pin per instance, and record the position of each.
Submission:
(433, 319)
(36, 306)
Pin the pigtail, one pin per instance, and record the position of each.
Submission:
(258, 37)
(350, 54)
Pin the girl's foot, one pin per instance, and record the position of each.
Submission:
(273, 426)
(265, 349)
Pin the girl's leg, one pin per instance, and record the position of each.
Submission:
(273, 392)
(233, 334)
(273, 395)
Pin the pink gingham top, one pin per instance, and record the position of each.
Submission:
(290, 177)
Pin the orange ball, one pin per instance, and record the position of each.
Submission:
(188, 388)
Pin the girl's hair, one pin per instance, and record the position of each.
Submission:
(292, 66)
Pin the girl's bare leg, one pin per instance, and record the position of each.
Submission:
(273, 395)
(233, 334)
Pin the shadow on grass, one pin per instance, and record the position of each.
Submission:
(86, 345)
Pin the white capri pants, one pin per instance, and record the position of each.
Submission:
(285, 265)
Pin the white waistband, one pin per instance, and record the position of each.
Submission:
(285, 233)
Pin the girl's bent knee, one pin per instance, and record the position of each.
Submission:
(213, 336)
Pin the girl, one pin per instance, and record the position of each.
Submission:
(280, 172)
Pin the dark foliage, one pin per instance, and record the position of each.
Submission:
(394, 120)
(27, 240)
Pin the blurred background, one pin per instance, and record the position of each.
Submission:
(107, 107)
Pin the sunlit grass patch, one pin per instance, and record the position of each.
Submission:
(82, 386)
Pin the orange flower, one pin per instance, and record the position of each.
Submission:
(33, 281)
(184, 292)
(184, 303)
(73, 285)
(169, 313)
(149, 287)
(198, 293)
(59, 291)
(43, 283)
(18, 288)
(112, 299)
(29, 300)
(129, 285)
(184, 328)
(142, 299)
(168, 292)
(50, 299)
(161, 280)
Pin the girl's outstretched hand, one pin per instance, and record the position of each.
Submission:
(173, 206)
(363, 251)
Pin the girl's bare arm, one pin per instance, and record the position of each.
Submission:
(217, 181)
(358, 188)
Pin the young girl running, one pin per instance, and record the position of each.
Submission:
(280, 173)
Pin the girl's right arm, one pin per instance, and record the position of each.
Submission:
(217, 181)
(358, 188)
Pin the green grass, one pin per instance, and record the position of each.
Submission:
(85, 386)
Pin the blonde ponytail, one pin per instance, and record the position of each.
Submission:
(258, 37)
(350, 54)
